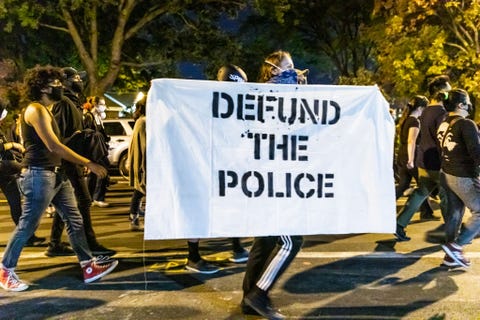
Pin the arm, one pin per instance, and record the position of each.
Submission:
(411, 145)
(38, 117)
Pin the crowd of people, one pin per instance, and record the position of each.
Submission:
(439, 149)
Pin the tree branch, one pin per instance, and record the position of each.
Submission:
(49, 26)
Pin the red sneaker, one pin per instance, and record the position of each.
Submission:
(455, 252)
(10, 281)
(98, 267)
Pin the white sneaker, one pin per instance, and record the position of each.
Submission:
(100, 204)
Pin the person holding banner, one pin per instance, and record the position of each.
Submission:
(195, 262)
(270, 256)
(460, 175)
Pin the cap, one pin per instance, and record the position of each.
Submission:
(231, 72)
(69, 72)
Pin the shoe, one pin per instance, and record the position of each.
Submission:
(449, 262)
(35, 241)
(259, 301)
(201, 266)
(455, 252)
(98, 267)
(400, 234)
(428, 217)
(59, 250)
(135, 224)
(247, 309)
(100, 204)
(239, 257)
(99, 250)
(50, 212)
(10, 281)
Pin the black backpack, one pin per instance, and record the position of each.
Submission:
(91, 144)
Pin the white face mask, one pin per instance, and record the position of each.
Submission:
(4, 114)
(101, 108)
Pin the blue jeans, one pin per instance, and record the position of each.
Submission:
(465, 193)
(428, 180)
(39, 188)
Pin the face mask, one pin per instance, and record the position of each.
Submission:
(101, 108)
(288, 76)
(57, 93)
(77, 86)
(4, 114)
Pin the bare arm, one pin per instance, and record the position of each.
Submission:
(38, 117)
(411, 144)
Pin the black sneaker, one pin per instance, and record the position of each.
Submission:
(239, 257)
(201, 266)
(59, 250)
(247, 309)
(35, 241)
(99, 250)
(428, 217)
(259, 301)
(400, 234)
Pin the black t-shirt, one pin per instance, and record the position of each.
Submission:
(410, 122)
(428, 155)
(460, 147)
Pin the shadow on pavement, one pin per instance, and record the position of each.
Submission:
(367, 288)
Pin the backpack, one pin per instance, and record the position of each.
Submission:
(91, 144)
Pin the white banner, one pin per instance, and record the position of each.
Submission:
(228, 159)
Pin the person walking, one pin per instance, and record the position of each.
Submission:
(460, 176)
(428, 156)
(43, 181)
(269, 256)
(92, 119)
(69, 118)
(9, 169)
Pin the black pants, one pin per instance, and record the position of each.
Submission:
(9, 187)
(84, 201)
(269, 257)
(135, 203)
(405, 176)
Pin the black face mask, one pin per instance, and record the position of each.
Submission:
(57, 93)
(77, 86)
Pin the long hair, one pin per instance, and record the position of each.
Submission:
(274, 58)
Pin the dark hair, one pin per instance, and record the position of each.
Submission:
(274, 58)
(415, 103)
(231, 72)
(438, 86)
(455, 96)
(38, 78)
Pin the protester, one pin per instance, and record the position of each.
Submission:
(460, 175)
(9, 169)
(69, 118)
(137, 159)
(269, 256)
(43, 181)
(409, 129)
(92, 119)
(428, 156)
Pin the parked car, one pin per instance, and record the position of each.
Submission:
(120, 132)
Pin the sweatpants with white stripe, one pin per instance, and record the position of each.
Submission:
(269, 257)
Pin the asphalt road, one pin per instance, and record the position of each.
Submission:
(364, 276)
